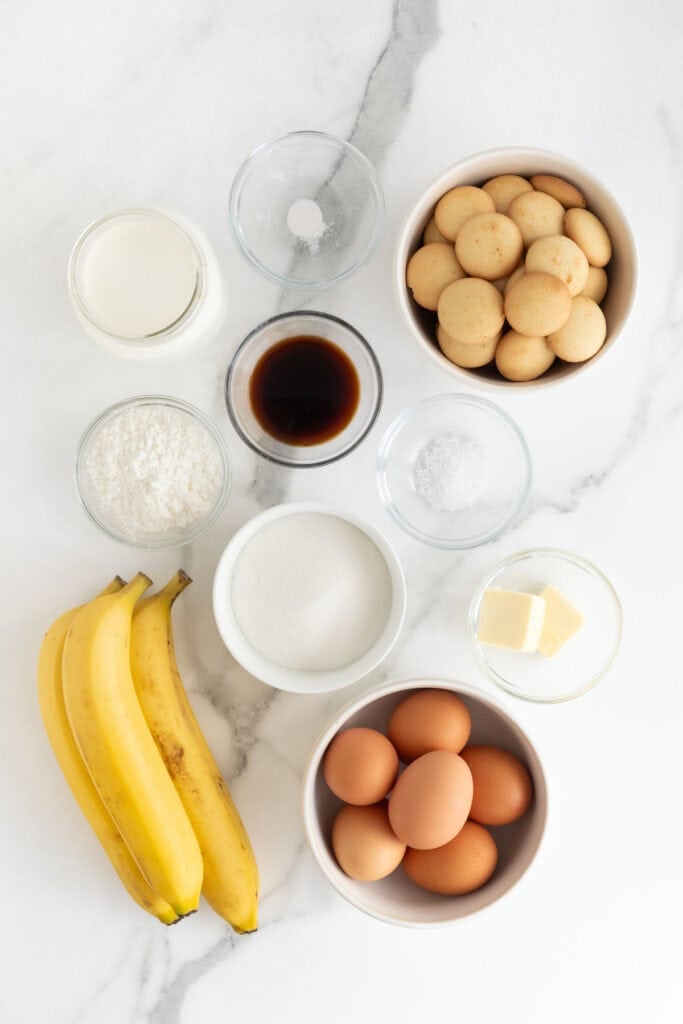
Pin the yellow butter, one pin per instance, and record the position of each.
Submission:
(562, 620)
(511, 620)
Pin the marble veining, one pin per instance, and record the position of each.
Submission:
(122, 103)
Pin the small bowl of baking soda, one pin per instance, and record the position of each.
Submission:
(152, 472)
(307, 210)
(454, 471)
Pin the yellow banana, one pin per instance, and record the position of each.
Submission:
(230, 872)
(53, 710)
(119, 752)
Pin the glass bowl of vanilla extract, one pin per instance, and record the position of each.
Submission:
(304, 389)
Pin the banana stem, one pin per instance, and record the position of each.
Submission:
(174, 587)
(113, 588)
(137, 586)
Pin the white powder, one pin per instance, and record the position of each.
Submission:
(305, 221)
(311, 592)
(153, 469)
(449, 473)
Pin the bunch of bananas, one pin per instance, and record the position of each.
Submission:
(130, 747)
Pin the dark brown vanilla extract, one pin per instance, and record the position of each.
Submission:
(304, 390)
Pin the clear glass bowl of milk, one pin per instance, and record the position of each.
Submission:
(144, 283)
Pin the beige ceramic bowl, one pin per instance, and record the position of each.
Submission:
(475, 170)
(396, 899)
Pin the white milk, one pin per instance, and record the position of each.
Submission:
(145, 283)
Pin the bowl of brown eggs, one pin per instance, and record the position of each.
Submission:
(424, 802)
(515, 268)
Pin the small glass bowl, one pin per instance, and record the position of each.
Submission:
(98, 515)
(289, 325)
(505, 478)
(324, 170)
(585, 658)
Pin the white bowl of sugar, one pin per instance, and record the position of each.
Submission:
(308, 597)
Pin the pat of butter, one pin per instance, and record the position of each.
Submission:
(562, 621)
(511, 620)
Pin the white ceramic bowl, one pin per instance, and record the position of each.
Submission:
(396, 899)
(289, 679)
(475, 170)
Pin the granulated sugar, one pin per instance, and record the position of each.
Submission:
(153, 468)
(311, 592)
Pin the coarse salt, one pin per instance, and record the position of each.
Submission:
(449, 473)
(153, 469)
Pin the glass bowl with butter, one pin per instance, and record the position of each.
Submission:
(545, 625)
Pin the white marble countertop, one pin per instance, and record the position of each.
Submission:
(118, 103)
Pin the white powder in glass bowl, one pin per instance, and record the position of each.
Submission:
(449, 473)
(153, 469)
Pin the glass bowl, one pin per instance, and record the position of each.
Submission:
(587, 656)
(103, 518)
(264, 337)
(496, 494)
(306, 210)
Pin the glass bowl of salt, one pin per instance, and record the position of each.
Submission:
(306, 210)
(454, 471)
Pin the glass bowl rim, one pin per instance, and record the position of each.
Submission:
(393, 431)
(376, 371)
(235, 224)
(190, 534)
(567, 556)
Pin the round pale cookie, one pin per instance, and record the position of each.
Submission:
(514, 278)
(429, 270)
(596, 284)
(504, 188)
(471, 310)
(537, 304)
(489, 245)
(470, 357)
(584, 228)
(458, 205)
(432, 234)
(559, 189)
(583, 334)
(521, 358)
(558, 255)
(536, 215)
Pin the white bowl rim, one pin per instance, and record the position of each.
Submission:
(501, 566)
(289, 679)
(408, 226)
(357, 704)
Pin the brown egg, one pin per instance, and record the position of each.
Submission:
(429, 720)
(502, 786)
(364, 844)
(360, 766)
(463, 865)
(431, 800)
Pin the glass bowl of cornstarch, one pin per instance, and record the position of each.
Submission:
(454, 471)
(152, 472)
